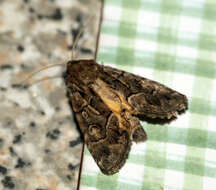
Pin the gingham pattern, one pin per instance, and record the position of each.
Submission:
(173, 42)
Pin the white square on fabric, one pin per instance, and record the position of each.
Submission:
(131, 172)
(82, 187)
(150, 1)
(145, 45)
(210, 158)
(209, 183)
(148, 19)
(189, 24)
(183, 83)
(89, 165)
(112, 13)
(176, 151)
(109, 40)
(212, 123)
(213, 91)
(193, 3)
(111, 24)
(173, 179)
(143, 72)
(187, 52)
(182, 121)
(138, 148)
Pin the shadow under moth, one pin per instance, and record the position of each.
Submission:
(108, 104)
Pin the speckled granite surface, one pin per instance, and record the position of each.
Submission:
(40, 145)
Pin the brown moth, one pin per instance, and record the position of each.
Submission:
(108, 104)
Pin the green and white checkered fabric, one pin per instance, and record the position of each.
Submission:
(172, 42)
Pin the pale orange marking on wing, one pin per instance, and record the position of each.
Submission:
(114, 100)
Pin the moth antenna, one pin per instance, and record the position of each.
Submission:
(78, 36)
(43, 79)
(43, 68)
(77, 54)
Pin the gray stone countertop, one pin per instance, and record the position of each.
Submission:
(40, 145)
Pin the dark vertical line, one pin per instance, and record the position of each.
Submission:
(95, 56)
(80, 168)
(99, 28)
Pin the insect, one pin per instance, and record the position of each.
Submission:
(108, 105)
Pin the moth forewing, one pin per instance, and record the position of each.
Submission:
(108, 104)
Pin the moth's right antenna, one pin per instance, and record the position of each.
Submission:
(78, 36)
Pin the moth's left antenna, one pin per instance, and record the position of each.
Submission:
(43, 68)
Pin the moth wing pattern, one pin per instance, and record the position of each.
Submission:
(108, 145)
(108, 104)
(149, 99)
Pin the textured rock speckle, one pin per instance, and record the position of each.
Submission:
(40, 145)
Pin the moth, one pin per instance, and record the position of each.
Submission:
(108, 104)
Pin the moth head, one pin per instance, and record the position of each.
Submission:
(82, 70)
